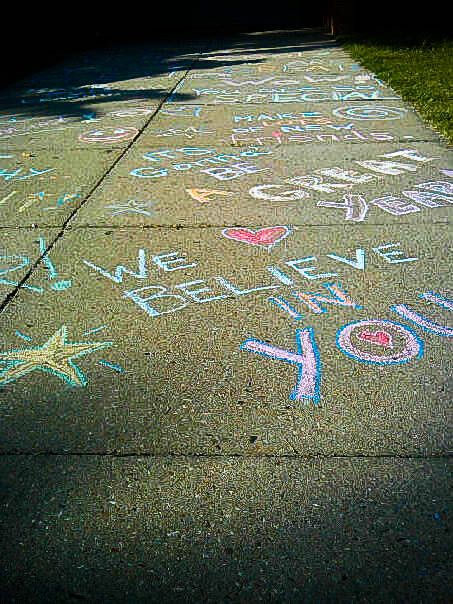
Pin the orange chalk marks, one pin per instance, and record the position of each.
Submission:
(204, 195)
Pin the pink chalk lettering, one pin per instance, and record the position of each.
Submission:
(355, 206)
(284, 305)
(306, 359)
(427, 324)
(314, 301)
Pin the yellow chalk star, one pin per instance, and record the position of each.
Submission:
(54, 356)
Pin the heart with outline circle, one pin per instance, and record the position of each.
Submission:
(379, 338)
(266, 237)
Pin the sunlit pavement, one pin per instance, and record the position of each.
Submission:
(224, 342)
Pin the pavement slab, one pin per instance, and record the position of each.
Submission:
(177, 308)
(314, 185)
(229, 530)
(327, 123)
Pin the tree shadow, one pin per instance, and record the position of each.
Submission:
(143, 73)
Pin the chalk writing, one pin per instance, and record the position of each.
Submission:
(182, 111)
(370, 112)
(132, 206)
(296, 95)
(356, 207)
(17, 262)
(306, 359)
(189, 132)
(427, 324)
(159, 299)
(13, 175)
(109, 135)
(225, 166)
(369, 341)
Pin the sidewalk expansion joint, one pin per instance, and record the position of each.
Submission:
(288, 456)
(178, 227)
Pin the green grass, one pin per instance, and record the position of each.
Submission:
(420, 70)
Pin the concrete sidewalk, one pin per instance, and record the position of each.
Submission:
(224, 342)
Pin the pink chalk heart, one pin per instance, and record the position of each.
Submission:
(266, 237)
(380, 338)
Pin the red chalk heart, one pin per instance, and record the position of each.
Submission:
(380, 338)
(266, 237)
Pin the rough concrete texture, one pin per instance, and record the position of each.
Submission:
(224, 530)
(224, 329)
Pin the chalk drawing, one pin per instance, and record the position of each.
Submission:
(56, 356)
(284, 305)
(134, 112)
(423, 322)
(306, 359)
(109, 135)
(7, 198)
(132, 206)
(379, 338)
(23, 336)
(52, 271)
(381, 334)
(204, 195)
(370, 112)
(447, 173)
(182, 111)
(113, 366)
(266, 237)
(355, 207)
(13, 175)
(315, 301)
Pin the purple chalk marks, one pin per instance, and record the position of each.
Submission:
(306, 359)
(424, 322)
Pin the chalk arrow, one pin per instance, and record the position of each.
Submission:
(203, 195)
